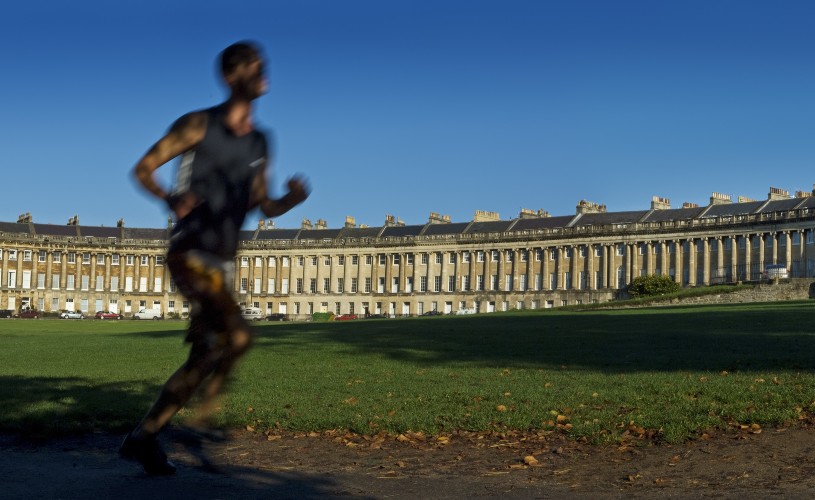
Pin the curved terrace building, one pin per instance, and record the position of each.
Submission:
(484, 265)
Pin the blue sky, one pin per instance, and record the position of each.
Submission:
(411, 107)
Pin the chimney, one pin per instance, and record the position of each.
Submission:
(322, 224)
(73, 221)
(744, 199)
(778, 194)
(659, 203)
(587, 207)
(120, 223)
(262, 224)
(306, 224)
(350, 221)
(484, 216)
(802, 194)
(24, 218)
(720, 199)
(688, 204)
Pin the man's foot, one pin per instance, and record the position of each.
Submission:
(148, 453)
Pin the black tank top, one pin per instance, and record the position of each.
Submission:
(219, 171)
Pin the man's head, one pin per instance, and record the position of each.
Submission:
(243, 71)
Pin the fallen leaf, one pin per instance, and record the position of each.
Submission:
(501, 408)
(530, 460)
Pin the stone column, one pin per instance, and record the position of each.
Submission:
(719, 256)
(761, 252)
(590, 267)
(788, 256)
(706, 261)
(678, 263)
(748, 251)
(692, 267)
(559, 281)
(664, 264)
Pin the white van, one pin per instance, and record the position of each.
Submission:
(148, 314)
(252, 313)
(773, 271)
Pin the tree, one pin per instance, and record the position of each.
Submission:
(646, 286)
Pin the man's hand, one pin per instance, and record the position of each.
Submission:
(182, 204)
(299, 190)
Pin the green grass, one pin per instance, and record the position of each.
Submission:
(677, 371)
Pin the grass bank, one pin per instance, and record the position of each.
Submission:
(670, 371)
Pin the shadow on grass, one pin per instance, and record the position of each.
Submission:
(735, 338)
(43, 407)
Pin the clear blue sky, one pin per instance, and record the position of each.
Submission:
(411, 107)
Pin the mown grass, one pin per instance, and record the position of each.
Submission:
(677, 371)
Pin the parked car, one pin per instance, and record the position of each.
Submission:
(345, 317)
(252, 313)
(432, 313)
(773, 271)
(148, 314)
(71, 315)
(276, 317)
(107, 315)
(6, 313)
(28, 312)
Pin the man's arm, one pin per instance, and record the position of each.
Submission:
(184, 135)
(298, 192)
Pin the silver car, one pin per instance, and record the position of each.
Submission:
(71, 315)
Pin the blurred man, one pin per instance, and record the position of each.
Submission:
(222, 176)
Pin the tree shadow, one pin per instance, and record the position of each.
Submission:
(739, 337)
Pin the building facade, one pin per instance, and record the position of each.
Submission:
(484, 265)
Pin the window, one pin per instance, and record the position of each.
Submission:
(452, 258)
(314, 260)
(395, 285)
(396, 259)
(159, 260)
(451, 283)
(272, 261)
(438, 258)
(796, 238)
(301, 261)
(382, 259)
(26, 255)
(143, 260)
(41, 256)
(522, 283)
(479, 282)
(424, 258)
(244, 285)
(128, 259)
(326, 285)
(553, 255)
(409, 284)
(143, 283)
(85, 281)
(620, 250)
(285, 262)
(524, 255)
(494, 255)
(71, 257)
(12, 255)
(244, 262)
(510, 256)
(258, 261)
(156, 285)
(479, 256)
(598, 251)
(641, 249)
(100, 282)
(409, 259)
(57, 257)
(340, 285)
(355, 260)
(70, 282)
(114, 284)
(508, 282)
(114, 259)
(465, 283)
(354, 285)
(298, 285)
(810, 237)
(538, 282)
(567, 252)
(55, 281)
(423, 283)
(368, 285)
(581, 284)
(312, 285)
(582, 250)
(494, 282)
(270, 285)
(369, 259)
(437, 283)
(341, 260)
(538, 255)
(100, 259)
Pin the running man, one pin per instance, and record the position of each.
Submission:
(222, 176)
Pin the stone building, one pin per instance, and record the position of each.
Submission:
(533, 261)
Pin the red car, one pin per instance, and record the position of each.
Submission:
(345, 317)
(28, 313)
(108, 315)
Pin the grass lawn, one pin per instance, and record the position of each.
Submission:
(673, 371)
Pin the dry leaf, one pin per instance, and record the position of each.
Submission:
(501, 408)
(530, 460)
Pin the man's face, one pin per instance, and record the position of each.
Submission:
(249, 79)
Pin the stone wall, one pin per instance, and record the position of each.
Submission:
(790, 289)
